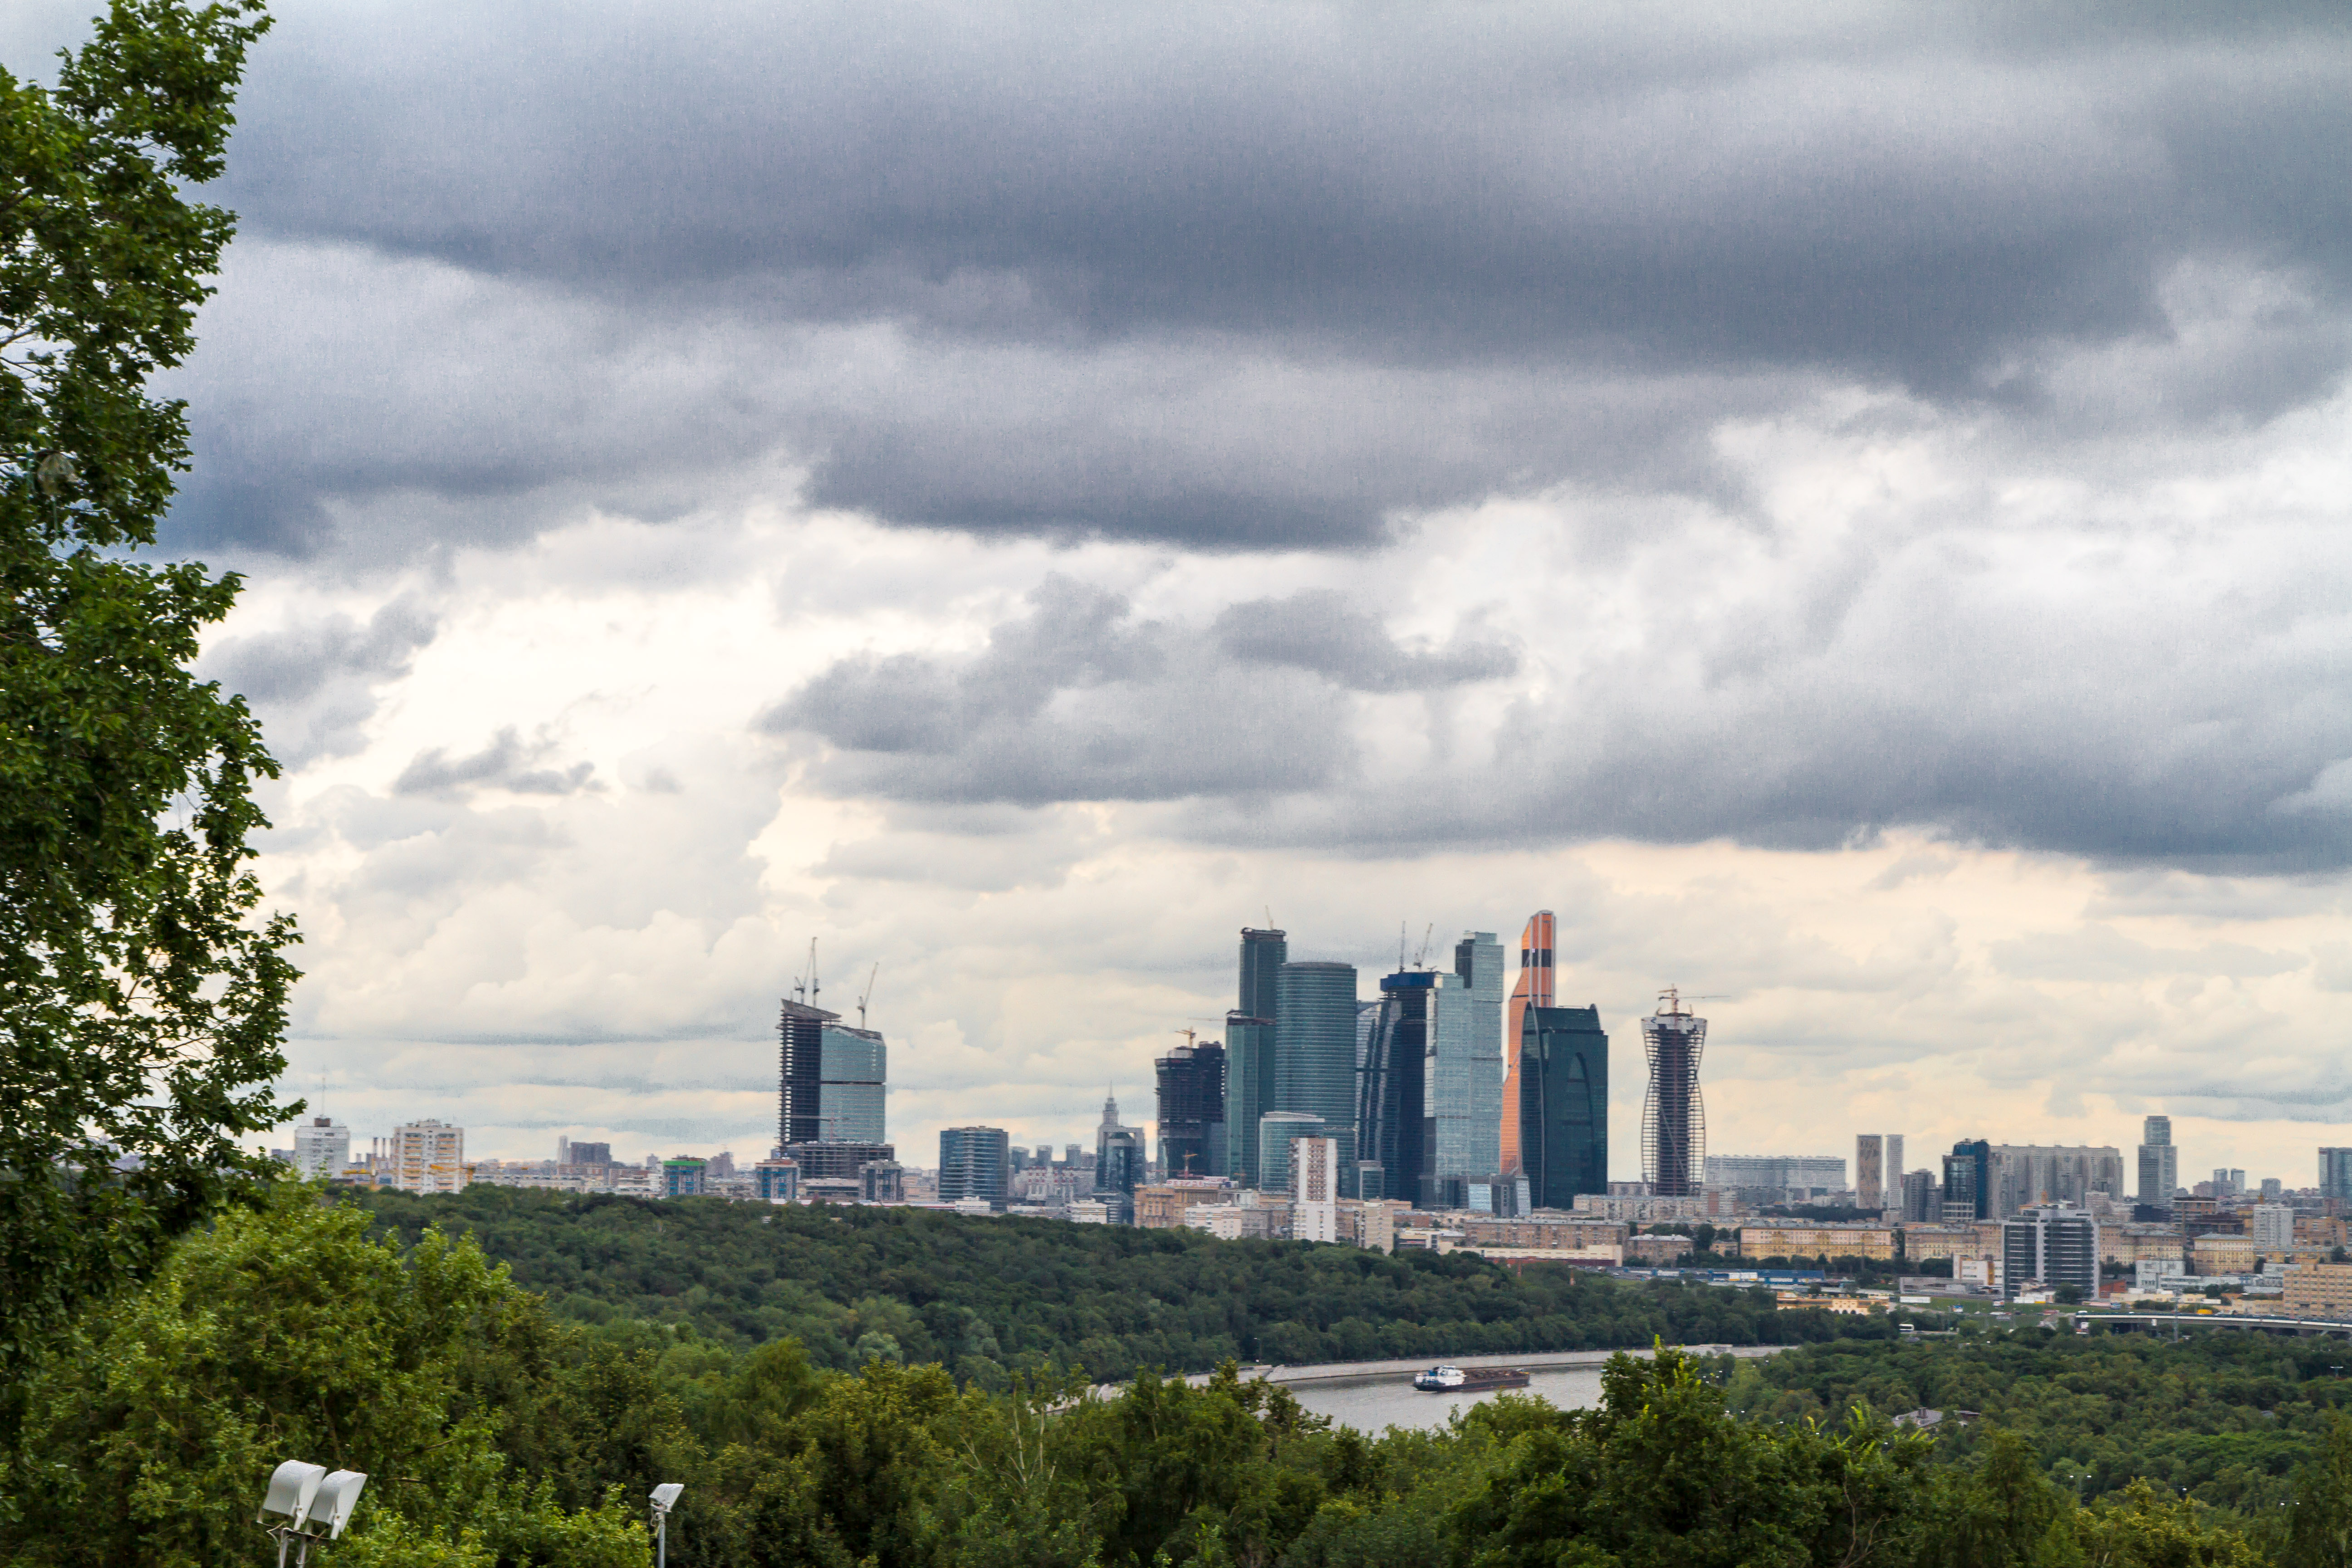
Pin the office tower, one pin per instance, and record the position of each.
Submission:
(1921, 1205)
(428, 1156)
(800, 1071)
(322, 1148)
(2222, 1186)
(2335, 1173)
(2237, 1181)
(1532, 989)
(2273, 1227)
(1869, 1177)
(1388, 1111)
(830, 1160)
(973, 1164)
(1118, 1171)
(1562, 1067)
(1673, 1115)
(2051, 1245)
(1070, 1156)
(1968, 1181)
(1479, 961)
(2160, 1163)
(563, 1151)
(2272, 1189)
(882, 1182)
(1813, 1174)
(850, 1075)
(1043, 1158)
(2026, 1174)
(1249, 1048)
(1277, 1131)
(1192, 1083)
(1314, 1189)
(1315, 1050)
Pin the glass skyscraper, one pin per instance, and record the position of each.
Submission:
(853, 1068)
(1533, 989)
(2160, 1163)
(1250, 1049)
(1478, 959)
(1315, 1050)
(1673, 1115)
(2335, 1173)
(1391, 1121)
(1563, 1104)
(973, 1164)
(1191, 1082)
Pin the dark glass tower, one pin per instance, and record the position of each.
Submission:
(1563, 1110)
(1192, 1079)
(1314, 1050)
(972, 1163)
(1250, 1049)
(800, 1114)
(1674, 1116)
(1968, 1181)
(1390, 1122)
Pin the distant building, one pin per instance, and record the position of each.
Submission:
(776, 1179)
(2318, 1290)
(831, 1079)
(322, 1148)
(1278, 1131)
(974, 1163)
(830, 1161)
(1922, 1201)
(1473, 1097)
(882, 1182)
(2054, 1244)
(1968, 1181)
(1314, 1052)
(2160, 1163)
(1673, 1112)
(1118, 1165)
(1818, 1175)
(1250, 1040)
(428, 1156)
(1562, 1064)
(2029, 1175)
(1869, 1172)
(1192, 1083)
(684, 1177)
(2336, 1174)
(1534, 988)
(1163, 1205)
(572, 1154)
(1314, 1189)
(2273, 1227)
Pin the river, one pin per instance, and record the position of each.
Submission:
(1372, 1405)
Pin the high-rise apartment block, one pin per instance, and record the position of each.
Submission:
(1278, 1131)
(974, 1163)
(1673, 1115)
(1562, 1068)
(2273, 1227)
(684, 1177)
(1878, 1170)
(1314, 1189)
(428, 1156)
(1922, 1205)
(2028, 1174)
(2053, 1245)
(1534, 988)
(322, 1148)
(2160, 1163)
(1814, 1176)
(1192, 1084)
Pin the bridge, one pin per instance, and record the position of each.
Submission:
(2156, 1322)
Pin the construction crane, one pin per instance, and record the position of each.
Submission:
(868, 994)
(1421, 959)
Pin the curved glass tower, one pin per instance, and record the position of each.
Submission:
(1561, 1115)
(1673, 1117)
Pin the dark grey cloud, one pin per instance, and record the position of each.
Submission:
(1434, 258)
(314, 684)
(508, 762)
(1320, 629)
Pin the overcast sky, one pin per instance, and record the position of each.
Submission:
(1844, 504)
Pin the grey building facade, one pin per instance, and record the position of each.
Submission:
(2160, 1163)
(2052, 1245)
(974, 1163)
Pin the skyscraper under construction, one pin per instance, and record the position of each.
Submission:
(1534, 989)
(1673, 1117)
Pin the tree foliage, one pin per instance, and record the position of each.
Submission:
(141, 1002)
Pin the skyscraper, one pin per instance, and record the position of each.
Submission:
(1673, 1115)
(428, 1156)
(1118, 1163)
(851, 1070)
(1869, 1174)
(1533, 989)
(2335, 1173)
(322, 1148)
(1249, 1048)
(1277, 1131)
(973, 1164)
(1478, 959)
(1192, 1083)
(2160, 1163)
(1314, 1050)
(1314, 1189)
(1562, 1125)
(1388, 1115)
(800, 1072)
(1968, 1181)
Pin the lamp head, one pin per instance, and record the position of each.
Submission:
(293, 1486)
(665, 1496)
(331, 1509)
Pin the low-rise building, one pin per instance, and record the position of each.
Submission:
(1163, 1206)
(1715, 1203)
(1932, 1243)
(2318, 1290)
(1761, 1239)
(2223, 1255)
(1267, 1219)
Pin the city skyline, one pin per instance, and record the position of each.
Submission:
(1013, 526)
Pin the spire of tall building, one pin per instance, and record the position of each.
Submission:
(1534, 990)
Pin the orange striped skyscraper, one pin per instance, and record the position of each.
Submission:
(1534, 990)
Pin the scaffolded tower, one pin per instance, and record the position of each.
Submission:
(1673, 1117)
(1534, 990)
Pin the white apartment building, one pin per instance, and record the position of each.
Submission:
(2273, 1228)
(1314, 1189)
(428, 1156)
(322, 1148)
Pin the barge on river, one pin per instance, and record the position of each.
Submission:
(1475, 1380)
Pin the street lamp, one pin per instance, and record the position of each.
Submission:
(664, 1497)
(314, 1503)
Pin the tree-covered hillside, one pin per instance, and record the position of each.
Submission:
(990, 1296)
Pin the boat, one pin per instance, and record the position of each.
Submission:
(1476, 1380)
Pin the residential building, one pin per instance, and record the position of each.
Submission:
(1921, 1199)
(1673, 1113)
(2336, 1174)
(2153, 1274)
(683, 1176)
(1088, 1210)
(975, 1163)
(1925, 1243)
(569, 1152)
(883, 1182)
(322, 1148)
(1257, 1216)
(1315, 1053)
(1869, 1172)
(2051, 1245)
(827, 1160)
(776, 1179)
(1641, 1208)
(2211, 1255)
(1250, 1045)
(1371, 1223)
(1813, 1174)
(1762, 1240)
(2160, 1163)
(1533, 988)
(1191, 1109)
(1163, 1206)
(1562, 1068)
(2318, 1290)
(428, 1156)
(2031, 1175)
(2273, 1228)
(1314, 1189)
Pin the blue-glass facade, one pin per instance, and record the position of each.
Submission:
(1277, 1131)
(1563, 1106)
(974, 1163)
(1315, 1051)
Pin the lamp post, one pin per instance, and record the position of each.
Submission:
(314, 1504)
(664, 1497)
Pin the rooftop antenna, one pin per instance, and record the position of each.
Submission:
(869, 993)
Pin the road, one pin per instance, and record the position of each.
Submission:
(1363, 1370)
